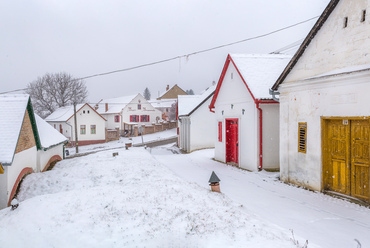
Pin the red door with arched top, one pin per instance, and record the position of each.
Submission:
(232, 141)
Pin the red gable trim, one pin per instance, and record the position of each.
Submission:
(226, 66)
(84, 106)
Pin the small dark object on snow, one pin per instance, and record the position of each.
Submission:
(126, 146)
(214, 182)
(67, 152)
(14, 203)
(115, 154)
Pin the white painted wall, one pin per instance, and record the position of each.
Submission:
(110, 123)
(234, 92)
(308, 101)
(146, 109)
(335, 47)
(26, 158)
(4, 188)
(90, 117)
(270, 136)
(202, 128)
(44, 156)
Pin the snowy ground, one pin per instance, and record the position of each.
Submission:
(157, 197)
(323, 220)
(130, 200)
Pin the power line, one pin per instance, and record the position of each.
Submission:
(186, 55)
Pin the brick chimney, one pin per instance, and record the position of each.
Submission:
(168, 87)
(106, 107)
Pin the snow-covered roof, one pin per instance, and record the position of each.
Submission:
(49, 136)
(12, 110)
(163, 103)
(187, 103)
(260, 71)
(63, 113)
(115, 105)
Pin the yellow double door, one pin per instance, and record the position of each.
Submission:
(346, 156)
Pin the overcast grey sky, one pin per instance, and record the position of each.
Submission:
(88, 37)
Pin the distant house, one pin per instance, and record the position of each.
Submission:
(196, 123)
(24, 147)
(90, 124)
(165, 106)
(172, 93)
(128, 111)
(247, 117)
(324, 104)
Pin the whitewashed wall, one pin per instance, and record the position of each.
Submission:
(308, 101)
(337, 47)
(26, 158)
(146, 109)
(110, 123)
(234, 92)
(202, 128)
(270, 136)
(88, 119)
(67, 130)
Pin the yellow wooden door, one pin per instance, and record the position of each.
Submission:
(337, 145)
(360, 159)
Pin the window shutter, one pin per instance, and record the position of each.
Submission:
(141, 118)
(147, 118)
(302, 137)
(220, 131)
(131, 118)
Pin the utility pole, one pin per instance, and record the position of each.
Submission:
(75, 117)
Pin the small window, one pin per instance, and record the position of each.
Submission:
(302, 137)
(134, 118)
(88, 111)
(83, 129)
(220, 131)
(144, 118)
(363, 18)
(345, 22)
(116, 118)
(139, 106)
(93, 129)
(83, 111)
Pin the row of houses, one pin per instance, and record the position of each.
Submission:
(120, 114)
(305, 115)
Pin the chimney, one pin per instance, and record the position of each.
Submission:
(106, 107)
(168, 87)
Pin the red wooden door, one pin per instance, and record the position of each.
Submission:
(232, 141)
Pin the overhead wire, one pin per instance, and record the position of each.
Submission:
(184, 56)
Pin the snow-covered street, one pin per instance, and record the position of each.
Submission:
(157, 197)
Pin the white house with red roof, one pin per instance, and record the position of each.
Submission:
(90, 124)
(247, 116)
(128, 111)
(195, 122)
(26, 146)
(324, 104)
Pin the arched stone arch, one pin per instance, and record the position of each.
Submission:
(52, 162)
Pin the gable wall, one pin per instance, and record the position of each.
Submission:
(233, 91)
(173, 93)
(146, 109)
(26, 138)
(335, 47)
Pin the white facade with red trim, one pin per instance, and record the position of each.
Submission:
(247, 117)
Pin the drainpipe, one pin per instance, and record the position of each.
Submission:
(261, 129)
(274, 93)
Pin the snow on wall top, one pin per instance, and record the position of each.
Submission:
(63, 113)
(12, 110)
(49, 136)
(187, 103)
(115, 105)
(260, 71)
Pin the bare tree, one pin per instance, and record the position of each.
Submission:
(172, 114)
(52, 91)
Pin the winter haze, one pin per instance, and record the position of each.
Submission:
(91, 37)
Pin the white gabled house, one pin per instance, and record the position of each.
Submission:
(128, 111)
(196, 122)
(25, 147)
(90, 124)
(247, 117)
(324, 104)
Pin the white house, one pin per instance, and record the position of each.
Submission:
(128, 111)
(24, 147)
(247, 117)
(324, 104)
(196, 122)
(90, 124)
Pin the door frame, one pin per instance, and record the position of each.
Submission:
(226, 136)
(324, 156)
